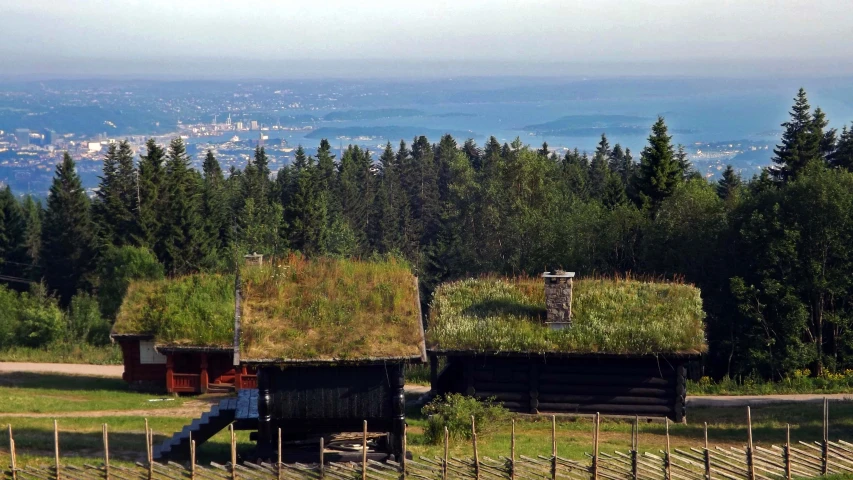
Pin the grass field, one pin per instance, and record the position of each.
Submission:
(27, 402)
(64, 352)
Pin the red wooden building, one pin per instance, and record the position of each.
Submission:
(183, 369)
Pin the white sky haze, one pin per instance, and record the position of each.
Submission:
(492, 37)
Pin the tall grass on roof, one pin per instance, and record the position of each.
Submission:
(195, 310)
(623, 316)
(326, 309)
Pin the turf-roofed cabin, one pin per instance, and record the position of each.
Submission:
(329, 339)
(177, 335)
(556, 344)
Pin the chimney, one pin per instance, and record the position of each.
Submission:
(558, 299)
(254, 259)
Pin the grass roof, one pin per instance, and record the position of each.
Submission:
(196, 310)
(620, 316)
(330, 309)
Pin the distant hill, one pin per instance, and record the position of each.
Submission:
(595, 125)
(391, 132)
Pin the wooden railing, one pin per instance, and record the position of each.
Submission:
(185, 383)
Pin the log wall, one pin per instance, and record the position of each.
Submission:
(647, 386)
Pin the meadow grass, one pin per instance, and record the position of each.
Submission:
(608, 316)
(52, 393)
(798, 381)
(192, 310)
(64, 352)
(296, 308)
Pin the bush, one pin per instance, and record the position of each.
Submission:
(85, 322)
(40, 319)
(455, 411)
(118, 266)
(9, 321)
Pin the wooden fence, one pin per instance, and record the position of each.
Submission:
(806, 460)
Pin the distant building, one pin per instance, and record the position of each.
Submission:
(254, 125)
(49, 136)
(94, 146)
(239, 125)
(22, 135)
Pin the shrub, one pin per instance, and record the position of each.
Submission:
(118, 266)
(40, 319)
(455, 411)
(85, 322)
(9, 321)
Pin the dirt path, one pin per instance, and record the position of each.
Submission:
(113, 371)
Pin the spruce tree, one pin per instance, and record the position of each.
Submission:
(660, 171)
(356, 194)
(68, 243)
(181, 244)
(13, 235)
(151, 194)
(390, 208)
(842, 157)
(472, 151)
(33, 219)
(115, 201)
(215, 210)
(729, 184)
(802, 141)
(308, 210)
(599, 171)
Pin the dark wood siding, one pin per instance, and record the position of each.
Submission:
(653, 386)
(138, 375)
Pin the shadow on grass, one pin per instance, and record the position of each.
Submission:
(55, 381)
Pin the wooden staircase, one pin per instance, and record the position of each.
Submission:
(200, 430)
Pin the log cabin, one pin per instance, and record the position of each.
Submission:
(559, 345)
(319, 346)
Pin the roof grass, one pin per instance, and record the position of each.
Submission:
(195, 310)
(618, 316)
(329, 309)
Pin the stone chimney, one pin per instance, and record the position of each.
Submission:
(254, 259)
(558, 299)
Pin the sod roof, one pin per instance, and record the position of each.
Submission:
(609, 316)
(330, 310)
(292, 309)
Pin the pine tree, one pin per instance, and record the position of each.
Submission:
(68, 243)
(356, 194)
(308, 210)
(660, 171)
(729, 184)
(544, 151)
(802, 142)
(575, 174)
(181, 244)
(151, 194)
(684, 164)
(842, 157)
(599, 170)
(472, 151)
(391, 205)
(13, 230)
(33, 218)
(215, 210)
(115, 201)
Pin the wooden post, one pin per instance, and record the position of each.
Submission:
(149, 450)
(279, 465)
(192, 457)
(750, 464)
(666, 460)
(106, 452)
(170, 373)
(787, 452)
(635, 441)
(512, 452)
(233, 453)
(707, 455)
(433, 373)
(444, 462)
(364, 452)
(824, 464)
(203, 380)
(56, 448)
(12, 455)
(553, 447)
(322, 458)
(403, 458)
(595, 446)
(476, 453)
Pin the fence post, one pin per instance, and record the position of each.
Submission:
(106, 451)
(322, 458)
(787, 452)
(476, 453)
(233, 453)
(512, 452)
(707, 455)
(444, 462)
(824, 450)
(595, 446)
(279, 466)
(405, 446)
(749, 461)
(56, 447)
(364, 452)
(553, 447)
(635, 441)
(666, 461)
(148, 447)
(192, 457)
(12, 455)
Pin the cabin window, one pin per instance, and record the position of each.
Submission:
(148, 355)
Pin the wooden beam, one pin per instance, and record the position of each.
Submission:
(204, 380)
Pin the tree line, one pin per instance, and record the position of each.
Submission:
(772, 254)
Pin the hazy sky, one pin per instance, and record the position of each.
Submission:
(399, 37)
